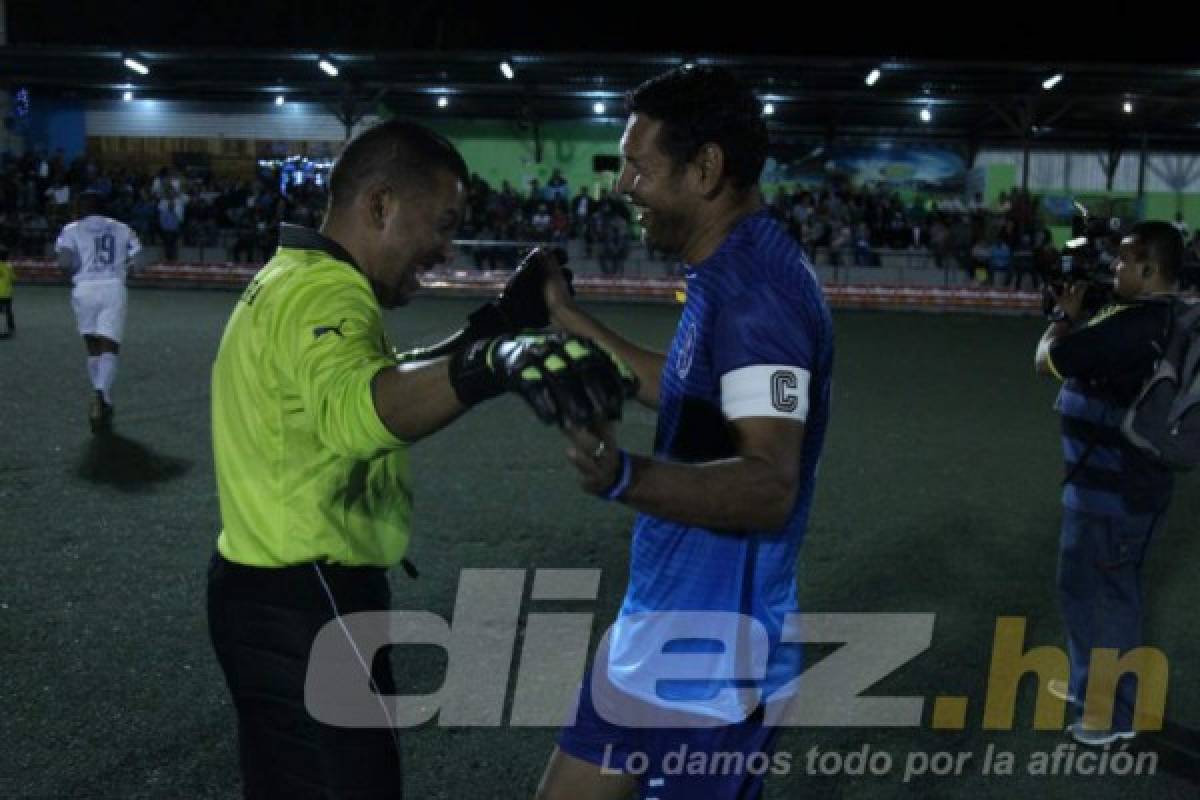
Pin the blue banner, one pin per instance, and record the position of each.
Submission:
(920, 168)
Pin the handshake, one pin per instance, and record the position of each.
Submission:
(567, 380)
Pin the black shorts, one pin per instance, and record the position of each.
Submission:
(263, 623)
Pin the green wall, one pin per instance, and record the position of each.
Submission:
(500, 151)
(1157, 205)
(1061, 234)
(1000, 178)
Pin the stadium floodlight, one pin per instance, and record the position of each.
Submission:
(598, 107)
(443, 101)
(137, 66)
(506, 70)
(328, 67)
(926, 115)
(768, 109)
(873, 77)
(1128, 107)
(278, 99)
(1052, 81)
(127, 96)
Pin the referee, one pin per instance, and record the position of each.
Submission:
(311, 416)
(7, 274)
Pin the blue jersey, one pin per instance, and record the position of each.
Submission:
(755, 339)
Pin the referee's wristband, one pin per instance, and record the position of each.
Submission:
(624, 478)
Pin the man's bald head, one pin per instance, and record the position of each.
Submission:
(398, 154)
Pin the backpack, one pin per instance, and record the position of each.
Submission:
(1163, 422)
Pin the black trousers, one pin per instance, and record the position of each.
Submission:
(263, 623)
(170, 243)
(6, 308)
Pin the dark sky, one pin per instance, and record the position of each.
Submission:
(969, 29)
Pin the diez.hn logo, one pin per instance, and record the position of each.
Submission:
(481, 646)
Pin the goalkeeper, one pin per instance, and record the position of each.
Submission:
(312, 415)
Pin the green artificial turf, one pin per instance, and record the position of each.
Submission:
(937, 493)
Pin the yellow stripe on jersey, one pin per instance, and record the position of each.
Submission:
(1050, 365)
(306, 470)
(1108, 311)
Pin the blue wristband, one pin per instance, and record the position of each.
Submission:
(624, 477)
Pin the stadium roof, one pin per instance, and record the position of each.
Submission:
(970, 101)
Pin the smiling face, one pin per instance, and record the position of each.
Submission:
(414, 231)
(656, 186)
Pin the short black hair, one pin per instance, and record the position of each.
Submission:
(698, 105)
(88, 203)
(1160, 243)
(398, 152)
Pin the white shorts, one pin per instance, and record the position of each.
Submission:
(100, 308)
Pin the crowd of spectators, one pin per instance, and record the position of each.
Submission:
(171, 208)
(501, 217)
(168, 208)
(1004, 243)
(858, 226)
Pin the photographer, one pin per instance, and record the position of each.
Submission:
(1114, 498)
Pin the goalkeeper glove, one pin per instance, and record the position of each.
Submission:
(521, 305)
(567, 380)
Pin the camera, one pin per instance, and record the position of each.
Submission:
(1078, 262)
(1086, 259)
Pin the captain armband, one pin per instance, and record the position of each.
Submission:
(766, 390)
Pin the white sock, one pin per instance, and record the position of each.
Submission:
(93, 364)
(106, 373)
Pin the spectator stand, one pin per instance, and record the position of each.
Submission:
(912, 283)
(870, 249)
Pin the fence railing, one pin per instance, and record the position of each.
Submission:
(900, 267)
(915, 267)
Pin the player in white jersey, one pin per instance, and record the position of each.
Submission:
(97, 252)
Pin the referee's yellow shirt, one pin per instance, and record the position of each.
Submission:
(306, 471)
(6, 280)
